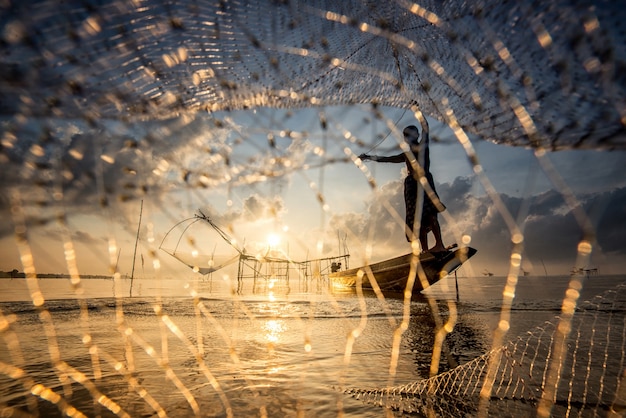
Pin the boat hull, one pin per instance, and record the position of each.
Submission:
(392, 275)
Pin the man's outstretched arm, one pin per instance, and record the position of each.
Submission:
(399, 158)
(425, 129)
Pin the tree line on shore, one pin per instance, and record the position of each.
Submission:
(16, 274)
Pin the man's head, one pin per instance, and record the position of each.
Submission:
(411, 134)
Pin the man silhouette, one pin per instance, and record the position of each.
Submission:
(419, 156)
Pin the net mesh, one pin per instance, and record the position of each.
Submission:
(520, 373)
(510, 73)
(106, 103)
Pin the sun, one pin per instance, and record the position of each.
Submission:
(273, 240)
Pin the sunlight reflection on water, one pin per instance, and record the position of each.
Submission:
(285, 354)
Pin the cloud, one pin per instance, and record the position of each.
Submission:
(351, 222)
(550, 202)
(249, 223)
(84, 237)
(257, 208)
(609, 209)
(382, 223)
(551, 230)
(456, 194)
(84, 168)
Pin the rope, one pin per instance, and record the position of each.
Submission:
(389, 133)
(171, 229)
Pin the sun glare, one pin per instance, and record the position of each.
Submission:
(273, 240)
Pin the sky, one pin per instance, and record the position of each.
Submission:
(85, 186)
(249, 173)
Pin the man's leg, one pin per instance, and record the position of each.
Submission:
(424, 238)
(410, 196)
(437, 233)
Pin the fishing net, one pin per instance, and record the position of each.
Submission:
(542, 75)
(536, 373)
(225, 106)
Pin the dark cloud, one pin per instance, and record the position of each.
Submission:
(610, 210)
(552, 237)
(455, 194)
(551, 230)
(549, 202)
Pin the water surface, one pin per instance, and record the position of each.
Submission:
(200, 345)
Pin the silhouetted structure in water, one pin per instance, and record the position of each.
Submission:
(260, 267)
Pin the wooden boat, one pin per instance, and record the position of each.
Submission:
(392, 275)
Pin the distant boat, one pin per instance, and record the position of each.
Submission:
(487, 273)
(393, 274)
(592, 271)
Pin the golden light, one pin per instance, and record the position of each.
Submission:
(273, 240)
(273, 329)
